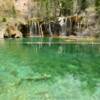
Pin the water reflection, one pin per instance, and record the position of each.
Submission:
(49, 72)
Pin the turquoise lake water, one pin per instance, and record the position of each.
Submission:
(49, 71)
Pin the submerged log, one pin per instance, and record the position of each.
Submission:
(38, 78)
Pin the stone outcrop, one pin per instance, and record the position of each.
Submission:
(92, 26)
(2, 31)
(11, 31)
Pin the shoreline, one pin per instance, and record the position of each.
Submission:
(66, 40)
(71, 37)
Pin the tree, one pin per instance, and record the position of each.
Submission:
(97, 4)
(83, 4)
(66, 7)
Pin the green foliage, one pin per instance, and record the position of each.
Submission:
(56, 7)
(49, 8)
(97, 4)
(4, 19)
(83, 4)
(66, 7)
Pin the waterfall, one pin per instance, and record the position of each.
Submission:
(31, 26)
(41, 31)
(62, 22)
(35, 29)
(50, 29)
(64, 26)
(38, 29)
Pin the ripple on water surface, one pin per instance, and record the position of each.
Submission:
(49, 72)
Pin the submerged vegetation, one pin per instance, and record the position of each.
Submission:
(97, 5)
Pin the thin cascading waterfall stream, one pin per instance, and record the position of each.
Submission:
(31, 29)
(67, 26)
(71, 26)
(63, 26)
(35, 28)
(38, 29)
(28, 29)
(41, 31)
(50, 30)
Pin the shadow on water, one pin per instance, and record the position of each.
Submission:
(51, 71)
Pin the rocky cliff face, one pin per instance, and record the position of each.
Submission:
(27, 8)
(24, 10)
(21, 5)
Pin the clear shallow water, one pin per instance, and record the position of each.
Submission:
(49, 72)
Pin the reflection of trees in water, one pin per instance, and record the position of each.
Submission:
(79, 60)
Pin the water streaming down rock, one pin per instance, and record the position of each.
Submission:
(69, 25)
(50, 29)
(34, 29)
(63, 26)
(62, 22)
(31, 29)
(66, 26)
(55, 28)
